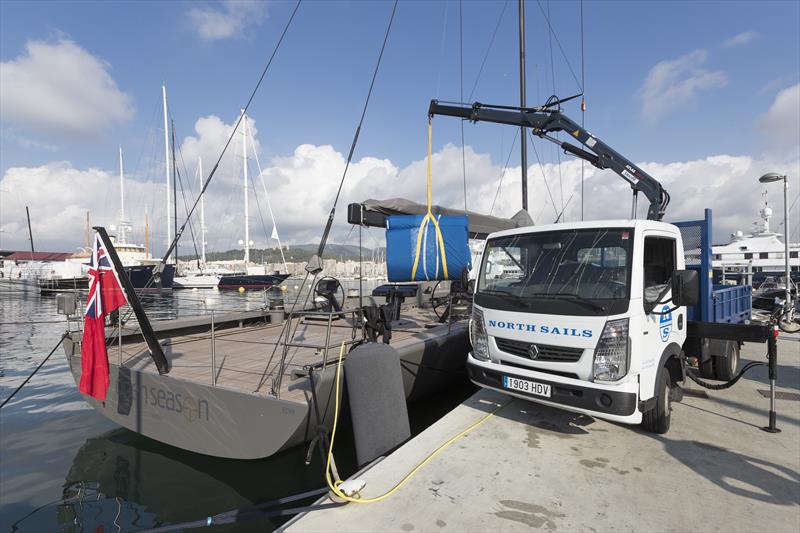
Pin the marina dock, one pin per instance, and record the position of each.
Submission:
(534, 467)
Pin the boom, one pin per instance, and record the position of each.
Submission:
(544, 120)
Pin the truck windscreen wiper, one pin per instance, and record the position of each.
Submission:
(510, 295)
(568, 296)
(581, 299)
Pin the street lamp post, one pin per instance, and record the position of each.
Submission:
(769, 178)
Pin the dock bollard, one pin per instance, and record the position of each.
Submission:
(772, 354)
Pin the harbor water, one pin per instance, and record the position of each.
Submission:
(65, 467)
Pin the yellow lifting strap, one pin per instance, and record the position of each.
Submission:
(429, 218)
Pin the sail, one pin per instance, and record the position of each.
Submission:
(479, 225)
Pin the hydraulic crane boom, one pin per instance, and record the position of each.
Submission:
(544, 120)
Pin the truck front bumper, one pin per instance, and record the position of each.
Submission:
(603, 401)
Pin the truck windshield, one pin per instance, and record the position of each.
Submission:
(579, 271)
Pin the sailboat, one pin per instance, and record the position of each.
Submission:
(246, 280)
(137, 261)
(203, 277)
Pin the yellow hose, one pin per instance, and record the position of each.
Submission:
(334, 485)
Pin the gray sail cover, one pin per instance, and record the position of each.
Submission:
(479, 225)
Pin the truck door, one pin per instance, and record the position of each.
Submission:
(661, 326)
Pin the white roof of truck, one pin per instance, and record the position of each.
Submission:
(636, 224)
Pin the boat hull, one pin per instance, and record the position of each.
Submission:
(235, 281)
(195, 282)
(232, 424)
(139, 276)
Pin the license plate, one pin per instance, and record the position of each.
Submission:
(523, 385)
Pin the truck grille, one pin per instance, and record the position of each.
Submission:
(559, 354)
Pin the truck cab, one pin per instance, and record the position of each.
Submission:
(581, 316)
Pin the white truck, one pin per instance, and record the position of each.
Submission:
(594, 316)
(584, 323)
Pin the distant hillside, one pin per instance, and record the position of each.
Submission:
(295, 253)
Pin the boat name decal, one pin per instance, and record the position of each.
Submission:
(191, 408)
(535, 328)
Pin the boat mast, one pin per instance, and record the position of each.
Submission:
(30, 231)
(122, 229)
(246, 210)
(523, 139)
(146, 235)
(202, 213)
(167, 163)
(174, 195)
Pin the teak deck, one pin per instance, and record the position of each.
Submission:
(248, 359)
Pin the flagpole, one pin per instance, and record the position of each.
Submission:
(153, 346)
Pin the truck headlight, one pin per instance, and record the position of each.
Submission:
(611, 353)
(478, 336)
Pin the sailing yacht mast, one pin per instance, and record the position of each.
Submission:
(121, 237)
(275, 234)
(246, 209)
(202, 213)
(167, 163)
(523, 139)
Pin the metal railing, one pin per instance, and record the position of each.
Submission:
(288, 334)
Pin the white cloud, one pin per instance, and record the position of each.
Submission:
(302, 186)
(740, 39)
(60, 88)
(781, 122)
(230, 18)
(674, 83)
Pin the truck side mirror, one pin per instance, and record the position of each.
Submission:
(685, 288)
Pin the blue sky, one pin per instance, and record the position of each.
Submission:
(722, 67)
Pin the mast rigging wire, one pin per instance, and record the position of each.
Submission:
(583, 103)
(266, 195)
(207, 181)
(488, 49)
(553, 79)
(505, 168)
(541, 168)
(461, 89)
(553, 34)
(233, 132)
(327, 230)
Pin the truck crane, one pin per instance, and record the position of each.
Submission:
(600, 317)
(547, 119)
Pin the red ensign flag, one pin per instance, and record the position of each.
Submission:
(105, 295)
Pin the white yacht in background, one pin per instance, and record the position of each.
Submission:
(759, 254)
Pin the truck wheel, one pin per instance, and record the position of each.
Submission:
(725, 366)
(657, 419)
(706, 368)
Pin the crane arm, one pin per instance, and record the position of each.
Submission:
(544, 120)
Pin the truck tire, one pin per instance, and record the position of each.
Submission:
(706, 368)
(657, 419)
(726, 366)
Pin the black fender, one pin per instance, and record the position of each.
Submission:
(672, 362)
(677, 370)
